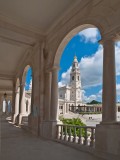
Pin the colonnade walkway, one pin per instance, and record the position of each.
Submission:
(17, 144)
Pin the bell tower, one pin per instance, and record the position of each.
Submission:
(75, 83)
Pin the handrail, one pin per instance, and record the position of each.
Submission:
(76, 126)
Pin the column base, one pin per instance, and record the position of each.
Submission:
(14, 118)
(21, 118)
(33, 124)
(49, 129)
(107, 140)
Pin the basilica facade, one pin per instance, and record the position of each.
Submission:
(71, 94)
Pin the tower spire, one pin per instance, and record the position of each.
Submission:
(75, 82)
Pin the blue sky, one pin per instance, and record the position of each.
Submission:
(28, 78)
(90, 57)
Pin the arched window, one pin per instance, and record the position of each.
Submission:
(73, 78)
(78, 78)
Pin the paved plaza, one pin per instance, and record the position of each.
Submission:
(89, 119)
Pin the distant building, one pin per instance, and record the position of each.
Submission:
(71, 94)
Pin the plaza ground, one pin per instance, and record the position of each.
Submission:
(95, 118)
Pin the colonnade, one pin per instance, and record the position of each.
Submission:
(85, 108)
(21, 108)
(109, 109)
(5, 104)
(51, 90)
(47, 126)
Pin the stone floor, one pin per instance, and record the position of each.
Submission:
(17, 144)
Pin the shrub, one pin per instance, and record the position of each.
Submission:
(75, 122)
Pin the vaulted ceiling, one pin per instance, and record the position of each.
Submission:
(23, 22)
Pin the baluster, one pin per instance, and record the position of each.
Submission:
(80, 137)
(85, 137)
(65, 137)
(70, 134)
(74, 138)
(92, 137)
(61, 136)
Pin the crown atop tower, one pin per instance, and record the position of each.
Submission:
(75, 64)
(75, 59)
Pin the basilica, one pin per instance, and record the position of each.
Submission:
(34, 34)
(71, 94)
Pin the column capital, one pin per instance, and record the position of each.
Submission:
(16, 92)
(55, 68)
(107, 38)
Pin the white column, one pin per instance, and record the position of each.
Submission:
(22, 104)
(54, 95)
(16, 105)
(109, 82)
(4, 106)
(29, 106)
(47, 95)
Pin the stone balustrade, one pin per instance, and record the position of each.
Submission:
(83, 135)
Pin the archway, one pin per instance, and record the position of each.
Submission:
(94, 57)
(26, 95)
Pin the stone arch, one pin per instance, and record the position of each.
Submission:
(24, 113)
(67, 37)
(24, 74)
(64, 41)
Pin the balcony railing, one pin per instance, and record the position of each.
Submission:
(83, 135)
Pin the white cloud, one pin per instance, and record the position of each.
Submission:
(117, 55)
(118, 89)
(30, 85)
(97, 95)
(65, 78)
(91, 69)
(91, 97)
(89, 35)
